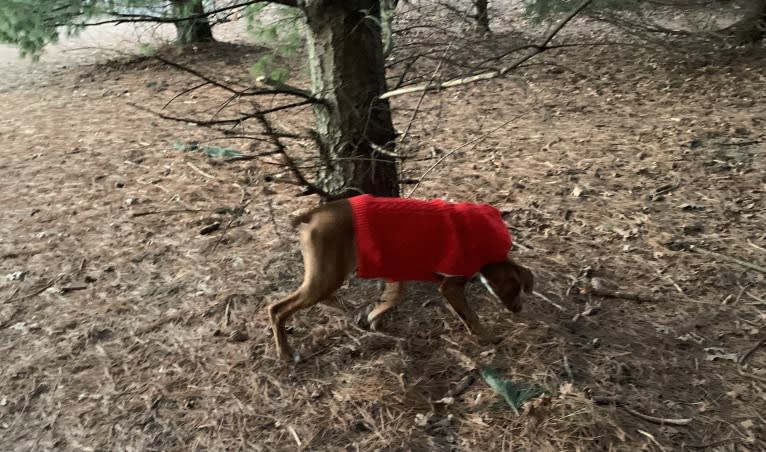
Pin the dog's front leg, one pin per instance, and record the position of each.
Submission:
(392, 296)
(453, 290)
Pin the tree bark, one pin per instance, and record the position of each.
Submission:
(191, 31)
(354, 128)
(482, 15)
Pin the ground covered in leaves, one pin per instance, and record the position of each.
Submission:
(135, 270)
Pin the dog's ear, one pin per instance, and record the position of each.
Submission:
(526, 278)
(521, 280)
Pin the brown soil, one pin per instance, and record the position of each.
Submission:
(123, 333)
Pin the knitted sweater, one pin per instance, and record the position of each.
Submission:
(413, 240)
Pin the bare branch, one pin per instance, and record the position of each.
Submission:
(122, 18)
(280, 147)
(279, 88)
(535, 50)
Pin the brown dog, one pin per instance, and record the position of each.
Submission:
(331, 252)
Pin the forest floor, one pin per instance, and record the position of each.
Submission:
(621, 171)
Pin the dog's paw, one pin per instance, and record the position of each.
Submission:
(289, 356)
(361, 317)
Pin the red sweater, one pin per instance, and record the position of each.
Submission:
(413, 240)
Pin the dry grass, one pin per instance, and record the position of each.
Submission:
(120, 336)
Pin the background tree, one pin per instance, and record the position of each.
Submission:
(32, 24)
(197, 28)
(345, 41)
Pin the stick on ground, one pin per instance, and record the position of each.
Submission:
(745, 264)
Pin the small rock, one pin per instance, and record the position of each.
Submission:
(131, 201)
(16, 276)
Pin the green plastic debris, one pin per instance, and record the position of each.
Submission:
(210, 151)
(515, 394)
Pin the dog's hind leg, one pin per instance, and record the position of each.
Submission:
(321, 279)
(391, 297)
(453, 290)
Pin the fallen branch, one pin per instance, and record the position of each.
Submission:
(535, 50)
(549, 301)
(745, 264)
(646, 417)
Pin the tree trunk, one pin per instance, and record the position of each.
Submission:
(354, 128)
(482, 15)
(752, 27)
(193, 30)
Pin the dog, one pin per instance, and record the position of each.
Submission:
(403, 240)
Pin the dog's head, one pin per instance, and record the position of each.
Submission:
(506, 280)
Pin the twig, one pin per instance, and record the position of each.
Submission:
(280, 147)
(38, 291)
(646, 417)
(652, 439)
(186, 91)
(215, 122)
(155, 212)
(15, 291)
(423, 94)
(743, 143)
(131, 18)
(475, 140)
(196, 74)
(295, 435)
(745, 264)
(755, 297)
(742, 291)
(199, 171)
(568, 369)
(713, 444)
(462, 385)
(625, 296)
(756, 246)
(744, 358)
(535, 50)
(284, 88)
(549, 301)
(657, 420)
(750, 375)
